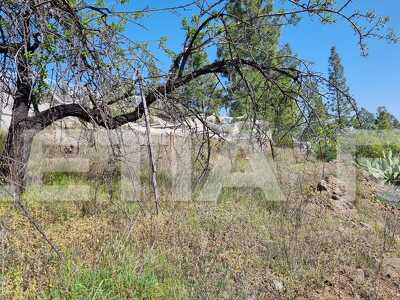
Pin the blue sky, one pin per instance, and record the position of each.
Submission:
(373, 80)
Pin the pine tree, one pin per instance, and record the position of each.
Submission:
(258, 38)
(317, 114)
(248, 38)
(385, 120)
(341, 105)
(203, 95)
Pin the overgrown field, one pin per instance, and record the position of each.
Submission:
(245, 246)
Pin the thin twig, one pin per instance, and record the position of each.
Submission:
(149, 146)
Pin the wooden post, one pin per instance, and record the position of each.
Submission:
(149, 147)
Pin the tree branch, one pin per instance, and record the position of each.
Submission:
(8, 48)
(189, 48)
(98, 117)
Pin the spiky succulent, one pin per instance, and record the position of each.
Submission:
(386, 168)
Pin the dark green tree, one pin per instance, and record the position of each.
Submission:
(318, 130)
(366, 120)
(341, 105)
(384, 119)
(316, 110)
(254, 37)
(203, 96)
(249, 94)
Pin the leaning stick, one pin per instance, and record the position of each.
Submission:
(149, 147)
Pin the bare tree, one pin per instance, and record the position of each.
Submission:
(78, 51)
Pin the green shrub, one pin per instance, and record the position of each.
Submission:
(326, 151)
(374, 145)
(376, 150)
(370, 151)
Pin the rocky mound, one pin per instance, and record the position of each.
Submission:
(336, 192)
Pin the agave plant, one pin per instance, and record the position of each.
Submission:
(386, 168)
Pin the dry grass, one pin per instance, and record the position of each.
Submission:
(243, 247)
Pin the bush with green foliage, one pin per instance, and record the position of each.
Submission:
(376, 150)
(377, 144)
(326, 151)
(386, 168)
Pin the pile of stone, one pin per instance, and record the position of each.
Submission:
(336, 192)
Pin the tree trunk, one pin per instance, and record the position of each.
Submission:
(15, 157)
(17, 148)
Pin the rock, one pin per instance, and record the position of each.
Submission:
(391, 267)
(359, 276)
(322, 186)
(366, 226)
(335, 197)
(388, 194)
(342, 204)
(278, 285)
(336, 191)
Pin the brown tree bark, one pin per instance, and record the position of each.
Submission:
(18, 144)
